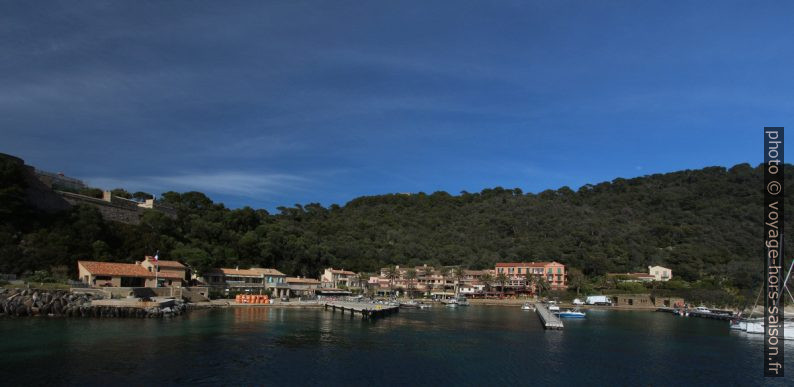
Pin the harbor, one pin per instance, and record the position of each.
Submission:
(430, 343)
(713, 314)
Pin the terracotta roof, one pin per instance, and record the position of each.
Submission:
(170, 275)
(631, 275)
(162, 263)
(115, 269)
(267, 271)
(296, 280)
(252, 272)
(526, 264)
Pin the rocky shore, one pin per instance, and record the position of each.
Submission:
(55, 303)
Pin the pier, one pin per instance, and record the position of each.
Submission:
(549, 320)
(367, 310)
(711, 315)
(714, 314)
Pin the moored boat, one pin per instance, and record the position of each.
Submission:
(572, 313)
(527, 306)
(410, 304)
(702, 309)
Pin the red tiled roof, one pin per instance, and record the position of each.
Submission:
(115, 269)
(253, 272)
(170, 275)
(646, 275)
(162, 263)
(337, 271)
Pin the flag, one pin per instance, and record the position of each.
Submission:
(157, 256)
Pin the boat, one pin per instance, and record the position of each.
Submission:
(554, 308)
(527, 306)
(425, 306)
(410, 304)
(572, 313)
(756, 325)
(462, 301)
(701, 309)
(452, 304)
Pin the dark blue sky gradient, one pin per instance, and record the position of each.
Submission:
(274, 103)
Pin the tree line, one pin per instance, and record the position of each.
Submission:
(703, 224)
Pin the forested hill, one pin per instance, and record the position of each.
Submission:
(700, 223)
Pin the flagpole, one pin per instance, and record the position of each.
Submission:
(156, 268)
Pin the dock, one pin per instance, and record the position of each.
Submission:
(549, 320)
(714, 314)
(711, 315)
(367, 310)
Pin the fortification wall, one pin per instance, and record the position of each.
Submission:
(41, 196)
(115, 211)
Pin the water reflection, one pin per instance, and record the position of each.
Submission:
(472, 346)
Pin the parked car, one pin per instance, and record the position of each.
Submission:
(598, 300)
(577, 301)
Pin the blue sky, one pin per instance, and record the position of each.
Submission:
(275, 103)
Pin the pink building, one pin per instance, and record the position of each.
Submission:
(517, 273)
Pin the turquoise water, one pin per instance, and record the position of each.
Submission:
(476, 346)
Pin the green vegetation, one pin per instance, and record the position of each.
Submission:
(704, 224)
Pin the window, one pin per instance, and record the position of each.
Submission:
(559, 270)
(550, 271)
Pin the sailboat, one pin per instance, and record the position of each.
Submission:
(756, 325)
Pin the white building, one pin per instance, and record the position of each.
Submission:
(660, 273)
(333, 278)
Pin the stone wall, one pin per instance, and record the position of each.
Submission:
(115, 211)
(39, 194)
(62, 303)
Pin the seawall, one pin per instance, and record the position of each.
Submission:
(62, 303)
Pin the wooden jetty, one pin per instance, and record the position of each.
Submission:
(367, 310)
(549, 320)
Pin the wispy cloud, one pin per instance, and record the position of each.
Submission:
(243, 184)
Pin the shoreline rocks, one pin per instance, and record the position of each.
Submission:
(63, 303)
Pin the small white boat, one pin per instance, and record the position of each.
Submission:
(527, 306)
(409, 304)
(756, 326)
(451, 304)
(425, 306)
(702, 309)
(554, 308)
